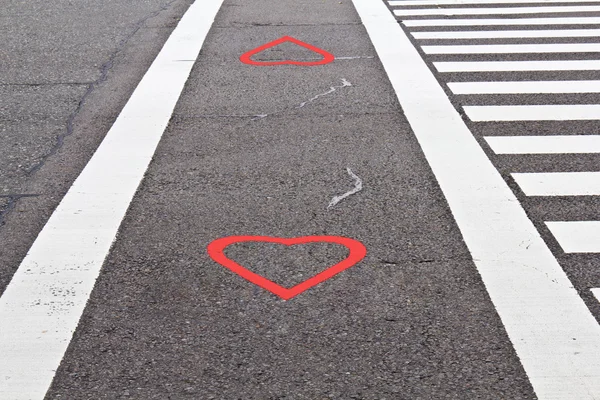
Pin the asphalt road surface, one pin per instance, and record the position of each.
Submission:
(314, 199)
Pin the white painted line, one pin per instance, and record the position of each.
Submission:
(505, 66)
(502, 21)
(555, 336)
(358, 185)
(554, 112)
(516, 87)
(596, 292)
(576, 236)
(400, 3)
(513, 48)
(559, 183)
(495, 11)
(41, 306)
(558, 33)
(559, 144)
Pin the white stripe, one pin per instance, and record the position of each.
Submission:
(495, 11)
(515, 87)
(502, 66)
(559, 183)
(41, 306)
(577, 236)
(596, 292)
(507, 34)
(567, 112)
(564, 144)
(502, 21)
(400, 3)
(513, 48)
(555, 336)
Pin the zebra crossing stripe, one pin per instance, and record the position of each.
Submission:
(399, 3)
(558, 33)
(559, 183)
(513, 48)
(502, 21)
(495, 11)
(521, 87)
(551, 112)
(556, 144)
(516, 66)
(577, 236)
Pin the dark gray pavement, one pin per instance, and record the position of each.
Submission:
(66, 70)
(411, 321)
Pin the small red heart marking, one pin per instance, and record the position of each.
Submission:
(246, 57)
(357, 252)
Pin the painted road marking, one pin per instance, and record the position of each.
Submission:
(356, 252)
(41, 306)
(554, 334)
(552, 112)
(576, 236)
(558, 33)
(558, 144)
(513, 48)
(559, 183)
(246, 58)
(397, 3)
(502, 21)
(510, 66)
(495, 11)
(509, 87)
(596, 292)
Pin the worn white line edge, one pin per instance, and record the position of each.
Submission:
(43, 303)
(554, 334)
(554, 144)
(596, 292)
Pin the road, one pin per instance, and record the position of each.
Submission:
(302, 199)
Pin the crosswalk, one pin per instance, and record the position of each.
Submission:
(492, 40)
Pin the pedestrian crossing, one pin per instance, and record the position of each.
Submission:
(462, 39)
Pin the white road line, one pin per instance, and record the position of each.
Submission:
(558, 33)
(516, 87)
(576, 236)
(495, 11)
(555, 336)
(41, 306)
(553, 112)
(559, 183)
(502, 21)
(558, 144)
(513, 48)
(400, 3)
(506, 66)
(596, 292)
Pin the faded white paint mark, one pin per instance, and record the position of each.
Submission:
(332, 89)
(357, 188)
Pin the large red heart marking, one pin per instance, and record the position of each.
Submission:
(357, 252)
(246, 57)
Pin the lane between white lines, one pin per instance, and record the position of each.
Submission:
(555, 144)
(576, 236)
(502, 21)
(496, 11)
(554, 334)
(558, 183)
(41, 306)
(520, 87)
(534, 33)
(506, 66)
(551, 112)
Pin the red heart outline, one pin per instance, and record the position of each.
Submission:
(357, 251)
(327, 57)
